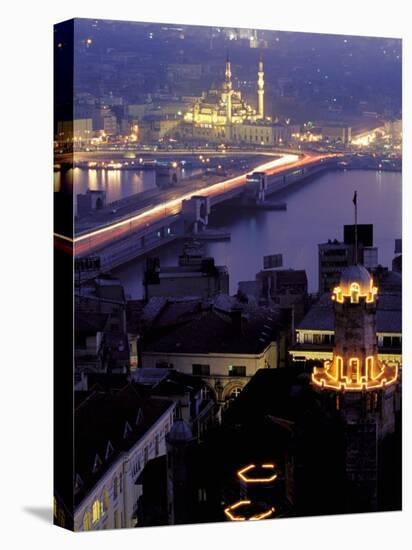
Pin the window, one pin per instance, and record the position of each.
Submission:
(115, 487)
(354, 293)
(96, 511)
(202, 495)
(120, 483)
(86, 522)
(317, 338)
(354, 369)
(146, 455)
(116, 519)
(235, 393)
(201, 370)
(387, 341)
(237, 371)
(157, 445)
(104, 502)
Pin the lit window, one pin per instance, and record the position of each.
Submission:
(235, 393)
(235, 370)
(104, 502)
(96, 511)
(354, 293)
(86, 522)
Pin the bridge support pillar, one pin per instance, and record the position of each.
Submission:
(195, 213)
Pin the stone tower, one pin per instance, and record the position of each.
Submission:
(359, 386)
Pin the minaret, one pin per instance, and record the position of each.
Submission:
(228, 90)
(260, 90)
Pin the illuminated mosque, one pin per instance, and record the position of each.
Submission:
(222, 114)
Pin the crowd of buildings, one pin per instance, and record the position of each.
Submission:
(152, 93)
(166, 383)
(180, 394)
(219, 115)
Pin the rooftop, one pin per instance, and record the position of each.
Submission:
(106, 425)
(248, 330)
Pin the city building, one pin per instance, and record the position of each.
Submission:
(77, 132)
(337, 133)
(224, 343)
(195, 275)
(285, 288)
(102, 343)
(222, 115)
(315, 334)
(194, 402)
(334, 255)
(117, 433)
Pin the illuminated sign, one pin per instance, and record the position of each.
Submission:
(246, 474)
(355, 376)
(354, 292)
(233, 512)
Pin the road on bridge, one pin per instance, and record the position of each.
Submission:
(91, 241)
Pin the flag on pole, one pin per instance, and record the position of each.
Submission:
(355, 198)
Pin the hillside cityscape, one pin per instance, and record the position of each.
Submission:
(228, 223)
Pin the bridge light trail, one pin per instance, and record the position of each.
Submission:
(87, 242)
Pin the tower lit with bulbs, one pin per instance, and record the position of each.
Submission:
(355, 366)
(358, 387)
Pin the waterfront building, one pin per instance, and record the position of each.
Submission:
(78, 131)
(117, 433)
(195, 275)
(337, 133)
(223, 115)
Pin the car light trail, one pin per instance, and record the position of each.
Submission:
(88, 242)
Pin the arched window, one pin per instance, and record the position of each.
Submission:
(96, 511)
(354, 293)
(235, 392)
(87, 522)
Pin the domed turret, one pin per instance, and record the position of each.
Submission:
(355, 282)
